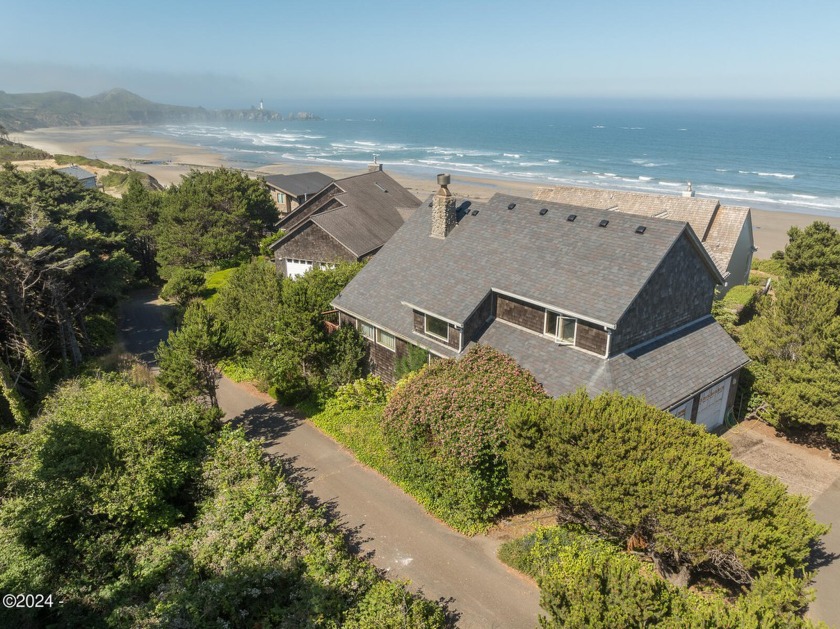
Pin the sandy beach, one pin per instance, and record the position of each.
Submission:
(167, 160)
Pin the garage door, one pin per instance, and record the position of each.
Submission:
(297, 267)
(712, 406)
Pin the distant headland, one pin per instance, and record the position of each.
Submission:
(19, 112)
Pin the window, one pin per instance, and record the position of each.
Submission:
(437, 327)
(561, 328)
(281, 198)
(386, 340)
(566, 332)
(367, 330)
(551, 323)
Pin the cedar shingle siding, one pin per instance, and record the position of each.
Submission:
(591, 337)
(678, 291)
(524, 315)
(311, 243)
(382, 361)
(479, 320)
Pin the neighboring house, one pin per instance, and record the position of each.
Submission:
(290, 191)
(349, 220)
(725, 231)
(580, 297)
(85, 177)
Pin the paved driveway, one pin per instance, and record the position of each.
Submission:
(813, 473)
(381, 521)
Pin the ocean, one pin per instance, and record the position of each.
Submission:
(782, 160)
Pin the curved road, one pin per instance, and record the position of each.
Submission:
(381, 521)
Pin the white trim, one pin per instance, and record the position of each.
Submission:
(432, 334)
(429, 312)
(413, 341)
(609, 343)
(561, 341)
(359, 323)
(380, 331)
(565, 312)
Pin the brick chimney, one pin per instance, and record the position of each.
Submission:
(443, 209)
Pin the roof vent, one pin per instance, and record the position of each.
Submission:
(380, 187)
(475, 212)
(641, 229)
(571, 218)
(544, 211)
(603, 223)
(511, 206)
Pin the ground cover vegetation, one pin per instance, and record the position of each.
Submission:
(135, 511)
(65, 264)
(792, 334)
(588, 582)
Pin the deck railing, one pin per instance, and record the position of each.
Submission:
(331, 321)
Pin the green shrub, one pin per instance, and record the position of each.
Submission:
(586, 582)
(631, 471)
(238, 370)
(413, 360)
(101, 331)
(741, 295)
(269, 240)
(184, 286)
(773, 267)
(360, 394)
(446, 427)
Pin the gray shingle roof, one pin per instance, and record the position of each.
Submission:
(77, 172)
(577, 266)
(300, 184)
(372, 207)
(665, 371)
(718, 227)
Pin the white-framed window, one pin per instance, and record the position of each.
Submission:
(386, 340)
(281, 198)
(367, 330)
(437, 328)
(561, 329)
(566, 330)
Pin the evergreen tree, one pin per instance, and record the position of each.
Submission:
(212, 218)
(188, 357)
(816, 249)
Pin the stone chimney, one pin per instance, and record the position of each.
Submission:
(689, 192)
(443, 209)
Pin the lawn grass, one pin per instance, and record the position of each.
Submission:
(740, 295)
(214, 282)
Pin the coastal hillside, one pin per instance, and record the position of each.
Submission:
(19, 112)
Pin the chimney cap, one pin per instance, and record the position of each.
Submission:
(443, 179)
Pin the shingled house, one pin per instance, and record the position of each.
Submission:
(580, 297)
(725, 231)
(290, 191)
(348, 220)
(85, 177)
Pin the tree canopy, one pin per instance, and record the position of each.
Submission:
(638, 475)
(815, 249)
(63, 262)
(214, 218)
(133, 512)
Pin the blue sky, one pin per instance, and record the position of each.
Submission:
(295, 53)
